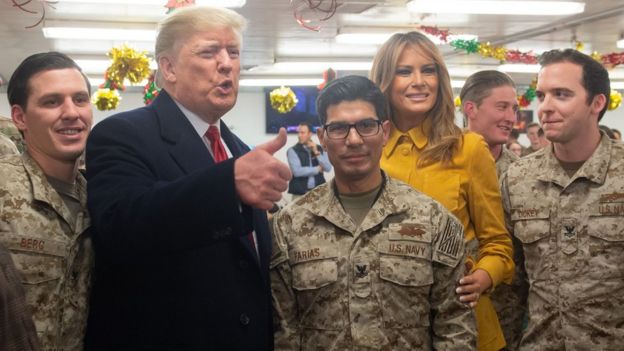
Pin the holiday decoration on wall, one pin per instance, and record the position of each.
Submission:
(126, 64)
(150, 92)
(173, 5)
(283, 99)
(615, 100)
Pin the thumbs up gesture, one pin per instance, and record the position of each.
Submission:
(259, 177)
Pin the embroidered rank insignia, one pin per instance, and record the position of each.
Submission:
(361, 271)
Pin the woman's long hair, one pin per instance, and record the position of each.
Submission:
(445, 136)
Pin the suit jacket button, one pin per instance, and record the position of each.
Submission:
(244, 319)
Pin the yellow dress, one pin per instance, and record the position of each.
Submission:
(469, 189)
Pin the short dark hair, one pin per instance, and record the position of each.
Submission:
(306, 124)
(18, 89)
(595, 78)
(351, 88)
(533, 124)
(514, 133)
(479, 85)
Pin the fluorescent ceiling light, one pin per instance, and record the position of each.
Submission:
(294, 66)
(491, 7)
(273, 82)
(99, 33)
(100, 66)
(222, 3)
(617, 85)
(620, 43)
(518, 68)
(616, 74)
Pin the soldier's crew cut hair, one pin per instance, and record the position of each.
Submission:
(351, 88)
(18, 89)
(595, 78)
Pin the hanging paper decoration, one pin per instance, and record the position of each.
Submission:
(106, 99)
(310, 14)
(173, 5)
(328, 76)
(615, 100)
(126, 63)
(525, 99)
(150, 92)
(43, 3)
(283, 99)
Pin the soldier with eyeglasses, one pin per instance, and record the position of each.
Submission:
(366, 261)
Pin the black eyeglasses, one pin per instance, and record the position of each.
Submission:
(340, 130)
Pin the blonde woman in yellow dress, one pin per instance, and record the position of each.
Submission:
(427, 150)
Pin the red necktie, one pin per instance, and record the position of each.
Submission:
(219, 154)
(218, 150)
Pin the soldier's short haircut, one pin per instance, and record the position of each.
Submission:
(595, 78)
(351, 88)
(532, 124)
(18, 89)
(479, 85)
(306, 124)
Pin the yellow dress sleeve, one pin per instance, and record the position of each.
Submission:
(485, 206)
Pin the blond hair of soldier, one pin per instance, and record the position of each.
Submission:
(480, 85)
(445, 136)
(194, 19)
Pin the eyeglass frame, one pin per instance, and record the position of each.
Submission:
(353, 126)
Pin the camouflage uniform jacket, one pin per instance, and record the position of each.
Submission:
(387, 285)
(52, 253)
(505, 159)
(509, 300)
(7, 147)
(571, 231)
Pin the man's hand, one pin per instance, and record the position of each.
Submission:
(472, 286)
(259, 177)
(312, 146)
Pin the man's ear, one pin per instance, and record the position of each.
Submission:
(470, 109)
(18, 115)
(598, 103)
(166, 68)
(320, 133)
(385, 129)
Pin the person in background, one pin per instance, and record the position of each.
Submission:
(543, 141)
(427, 150)
(532, 131)
(43, 216)
(563, 204)
(179, 204)
(307, 162)
(490, 106)
(516, 148)
(366, 262)
(617, 134)
(513, 138)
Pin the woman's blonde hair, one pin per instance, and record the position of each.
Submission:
(445, 136)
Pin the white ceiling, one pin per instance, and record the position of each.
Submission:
(274, 35)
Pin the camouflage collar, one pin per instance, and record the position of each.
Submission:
(594, 169)
(44, 192)
(328, 206)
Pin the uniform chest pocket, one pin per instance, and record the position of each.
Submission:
(39, 260)
(403, 291)
(313, 270)
(606, 246)
(532, 228)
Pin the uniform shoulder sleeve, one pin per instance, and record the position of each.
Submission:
(448, 246)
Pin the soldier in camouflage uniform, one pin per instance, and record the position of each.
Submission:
(565, 205)
(490, 106)
(43, 217)
(366, 262)
(7, 147)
